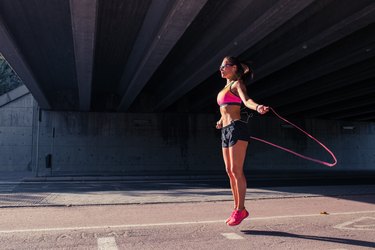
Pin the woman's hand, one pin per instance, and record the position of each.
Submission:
(219, 125)
(261, 109)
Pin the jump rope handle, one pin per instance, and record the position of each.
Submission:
(295, 153)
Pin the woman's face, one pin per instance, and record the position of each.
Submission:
(227, 69)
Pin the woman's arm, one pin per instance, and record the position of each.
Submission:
(250, 103)
(219, 123)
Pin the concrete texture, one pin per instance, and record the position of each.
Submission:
(16, 122)
(128, 144)
(13, 95)
(167, 144)
(344, 222)
(163, 55)
(33, 192)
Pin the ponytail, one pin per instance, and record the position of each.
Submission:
(244, 71)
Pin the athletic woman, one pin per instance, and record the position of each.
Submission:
(234, 132)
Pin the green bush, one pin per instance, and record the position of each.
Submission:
(9, 80)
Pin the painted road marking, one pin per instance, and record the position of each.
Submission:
(108, 243)
(232, 236)
(174, 223)
(356, 224)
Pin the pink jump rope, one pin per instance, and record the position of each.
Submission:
(297, 154)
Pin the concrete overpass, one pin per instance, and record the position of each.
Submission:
(312, 58)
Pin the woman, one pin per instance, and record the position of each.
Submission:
(234, 132)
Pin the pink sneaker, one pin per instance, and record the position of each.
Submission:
(238, 217)
(230, 217)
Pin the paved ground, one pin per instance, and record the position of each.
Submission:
(181, 214)
(346, 222)
(66, 193)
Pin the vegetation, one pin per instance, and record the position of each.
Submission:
(9, 80)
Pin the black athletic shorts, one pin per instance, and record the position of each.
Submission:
(233, 132)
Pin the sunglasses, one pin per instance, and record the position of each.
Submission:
(222, 67)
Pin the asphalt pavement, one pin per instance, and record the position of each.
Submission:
(20, 190)
(144, 212)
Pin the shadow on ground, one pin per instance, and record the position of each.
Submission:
(310, 237)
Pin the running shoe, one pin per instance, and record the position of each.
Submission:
(230, 217)
(238, 217)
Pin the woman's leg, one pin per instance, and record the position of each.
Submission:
(228, 168)
(237, 155)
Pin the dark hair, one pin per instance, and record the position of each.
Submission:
(244, 71)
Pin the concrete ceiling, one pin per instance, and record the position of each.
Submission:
(312, 58)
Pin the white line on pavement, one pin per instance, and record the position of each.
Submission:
(108, 243)
(172, 223)
(351, 224)
(232, 236)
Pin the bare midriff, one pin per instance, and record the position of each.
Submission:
(230, 113)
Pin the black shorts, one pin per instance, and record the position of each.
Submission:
(233, 132)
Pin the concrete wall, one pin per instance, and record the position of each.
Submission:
(121, 143)
(148, 144)
(354, 148)
(16, 121)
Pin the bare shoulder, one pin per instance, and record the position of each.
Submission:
(239, 85)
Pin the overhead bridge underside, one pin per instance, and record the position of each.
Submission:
(311, 58)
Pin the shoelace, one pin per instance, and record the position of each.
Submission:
(295, 153)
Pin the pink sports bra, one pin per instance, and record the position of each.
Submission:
(227, 97)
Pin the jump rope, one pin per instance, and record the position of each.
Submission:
(295, 153)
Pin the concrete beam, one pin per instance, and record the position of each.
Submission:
(328, 98)
(342, 107)
(305, 84)
(234, 16)
(370, 117)
(151, 25)
(83, 17)
(213, 37)
(327, 76)
(329, 36)
(12, 54)
(13, 95)
(175, 24)
(281, 12)
(345, 112)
